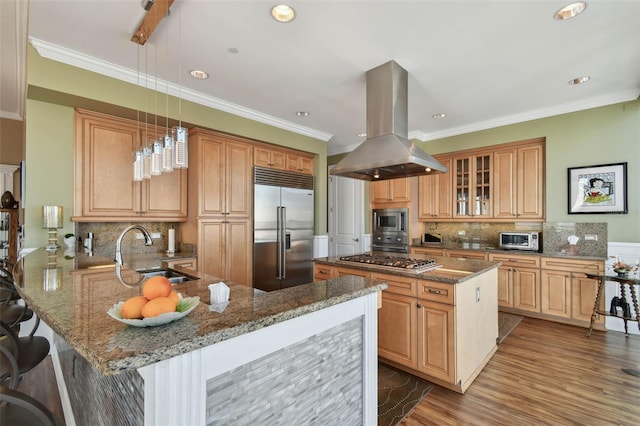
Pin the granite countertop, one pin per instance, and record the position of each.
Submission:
(452, 271)
(72, 296)
(492, 249)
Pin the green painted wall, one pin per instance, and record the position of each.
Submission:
(55, 89)
(604, 135)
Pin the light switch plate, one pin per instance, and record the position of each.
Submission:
(591, 237)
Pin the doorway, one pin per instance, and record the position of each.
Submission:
(346, 215)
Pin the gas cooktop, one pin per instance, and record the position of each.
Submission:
(392, 262)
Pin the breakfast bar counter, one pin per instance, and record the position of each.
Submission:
(178, 370)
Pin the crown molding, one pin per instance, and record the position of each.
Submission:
(89, 63)
(609, 99)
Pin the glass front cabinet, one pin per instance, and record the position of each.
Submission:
(473, 186)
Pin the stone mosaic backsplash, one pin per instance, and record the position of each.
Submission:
(554, 235)
(106, 234)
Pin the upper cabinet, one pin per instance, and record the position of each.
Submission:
(391, 191)
(472, 182)
(221, 181)
(104, 189)
(434, 193)
(281, 159)
(519, 182)
(498, 183)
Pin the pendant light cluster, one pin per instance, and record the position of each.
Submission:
(169, 152)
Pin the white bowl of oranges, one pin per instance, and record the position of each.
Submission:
(159, 304)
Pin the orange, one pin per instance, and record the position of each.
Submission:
(158, 306)
(174, 296)
(156, 287)
(132, 307)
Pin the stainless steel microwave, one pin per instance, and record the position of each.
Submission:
(390, 220)
(529, 241)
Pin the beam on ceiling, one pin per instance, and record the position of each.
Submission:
(155, 13)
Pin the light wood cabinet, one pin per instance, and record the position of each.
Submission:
(300, 163)
(427, 251)
(567, 292)
(340, 271)
(391, 191)
(224, 250)
(519, 182)
(467, 254)
(518, 281)
(220, 205)
(322, 272)
(434, 193)
(271, 158)
(397, 329)
(104, 189)
(473, 188)
(436, 337)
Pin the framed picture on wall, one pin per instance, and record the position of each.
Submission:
(598, 189)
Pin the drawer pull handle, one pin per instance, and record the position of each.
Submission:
(434, 291)
(323, 272)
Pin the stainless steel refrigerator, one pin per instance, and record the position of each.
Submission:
(283, 229)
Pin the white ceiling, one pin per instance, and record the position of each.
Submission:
(483, 63)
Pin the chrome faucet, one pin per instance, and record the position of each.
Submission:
(147, 241)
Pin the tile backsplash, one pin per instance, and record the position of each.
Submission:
(592, 235)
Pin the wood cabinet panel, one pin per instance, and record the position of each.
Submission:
(436, 340)
(556, 293)
(436, 291)
(223, 250)
(322, 272)
(518, 281)
(397, 284)
(391, 190)
(428, 251)
(104, 189)
(472, 182)
(267, 157)
(340, 271)
(299, 163)
(434, 193)
(397, 329)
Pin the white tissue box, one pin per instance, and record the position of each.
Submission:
(219, 293)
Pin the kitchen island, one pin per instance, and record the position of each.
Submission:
(306, 353)
(439, 315)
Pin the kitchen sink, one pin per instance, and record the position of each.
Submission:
(175, 277)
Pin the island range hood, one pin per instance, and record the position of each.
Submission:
(387, 153)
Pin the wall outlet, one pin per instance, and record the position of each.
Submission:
(156, 235)
(591, 237)
(461, 232)
(477, 294)
(139, 236)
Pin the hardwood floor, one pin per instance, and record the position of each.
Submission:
(546, 373)
(543, 374)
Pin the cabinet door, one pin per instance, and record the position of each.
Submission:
(391, 190)
(434, 201)
(238, 254)
(505, 287)
(266, 157)
(583, 297)
(397, 329)
(556, 293)
(239, 181)
(473, 186)
(212, 176)
(436, 340)
(341, 272)
(531, 182)
(300, 164)
(526, 289)
(505, 184)
(211, 249)
(380, 191)
(104, 186)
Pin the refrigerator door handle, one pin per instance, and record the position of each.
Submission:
(279, 242)
(286, 243)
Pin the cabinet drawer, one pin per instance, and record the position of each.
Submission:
(340, 271)
(467, 254)
(573, 265)
(436, 291)
(514, 260)
(322, 272)
(427, 251)
(397, 284)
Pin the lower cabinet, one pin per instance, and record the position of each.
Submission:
(518, 281)
(397, 329)
(223, 250)
(322, 272)
(436, 331)
(567, 292)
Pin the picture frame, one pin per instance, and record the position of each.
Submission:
(600, 189)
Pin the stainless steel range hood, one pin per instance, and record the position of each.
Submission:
(387, 153)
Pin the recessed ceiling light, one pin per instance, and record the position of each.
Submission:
(283, 13)
(200, 75)
(579, 80)
(439, 115)
(570, 10)
(302, 114)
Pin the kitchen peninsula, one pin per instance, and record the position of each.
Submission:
(307, 352)
(439, 315)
